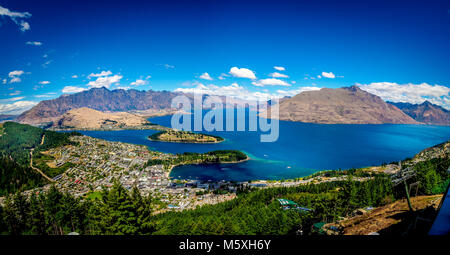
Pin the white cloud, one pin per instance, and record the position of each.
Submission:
(6, 12)
(278, 75)
(279, 68)
(328, 75)
(15, 80)
(50, 94)
(290, 93)
(15, 76)
(17, 107)
(222, 76)
(124, 88)
(12, 99)
(15, 93)
(4, 81)
(43, 83)
(242, 73)
(103, 73)
(48, 62)
(270, 82)
(74, 76)
(167, 66)
(105, 81)
(72, 89)
(236, 91)
(15, 73)
(17, 17)
(139, 82)
(24, 26)
(34, 43)
(206, 76)
(409, 92)
(318, 76)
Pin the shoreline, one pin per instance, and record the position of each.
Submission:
(218, 138)
(370, 168)
(151, 127)
(171, 167)
(160, 114)
(162, 141)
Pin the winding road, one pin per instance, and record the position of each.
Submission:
(37, 169)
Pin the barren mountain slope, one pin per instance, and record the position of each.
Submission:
(349, 105)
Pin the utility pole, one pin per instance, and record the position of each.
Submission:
(406, 189)
(407, 197)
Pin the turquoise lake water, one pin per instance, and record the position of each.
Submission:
(301, 149)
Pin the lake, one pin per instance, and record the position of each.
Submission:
(301, 149)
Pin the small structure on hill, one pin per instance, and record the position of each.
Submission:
(318, 228)
(289, 204)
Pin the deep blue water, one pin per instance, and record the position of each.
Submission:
(301, 149)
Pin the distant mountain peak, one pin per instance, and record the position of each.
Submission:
(426, 102)
(347, 105)
(425, 112)
(353, 88)
(101, 99)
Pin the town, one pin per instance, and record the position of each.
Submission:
(95, 164)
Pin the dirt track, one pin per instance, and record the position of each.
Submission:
(386, 216)
(37, 169)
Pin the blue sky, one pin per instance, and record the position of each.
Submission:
(399, 51)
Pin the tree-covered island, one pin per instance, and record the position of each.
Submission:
(176, 136)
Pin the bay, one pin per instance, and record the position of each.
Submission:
(301, 149)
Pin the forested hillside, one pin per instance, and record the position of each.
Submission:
(121, 212)
(15, 177)
(255, 211)
(16, 141)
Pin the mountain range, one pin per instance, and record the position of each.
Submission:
(426, 112)
(100, 99)
(349, 105)
(5, 117)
